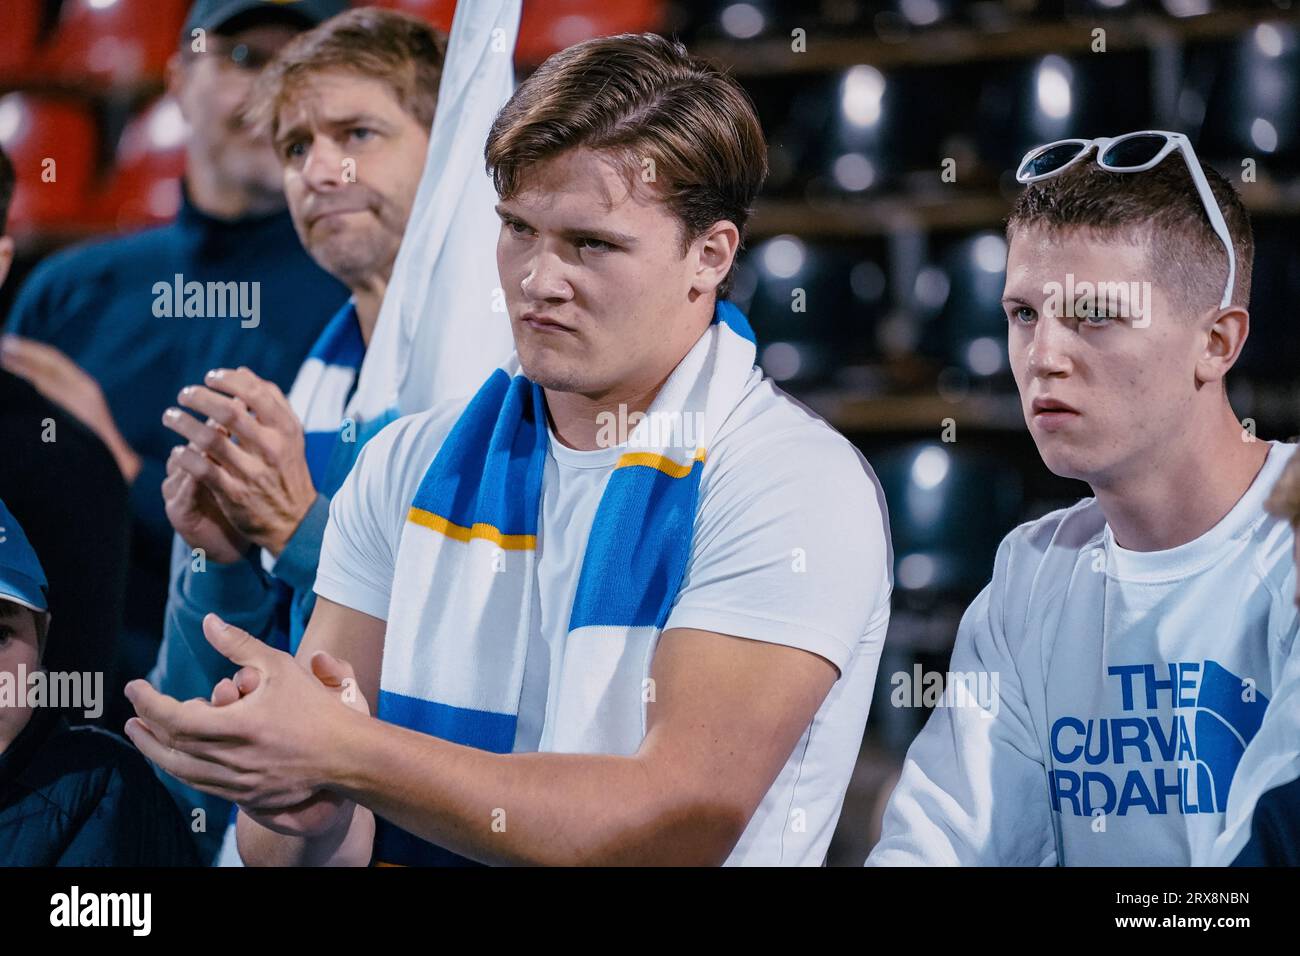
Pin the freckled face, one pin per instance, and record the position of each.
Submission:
(1129, 378)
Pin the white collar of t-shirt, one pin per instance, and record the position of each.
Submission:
(575, 458)
(1199, 553)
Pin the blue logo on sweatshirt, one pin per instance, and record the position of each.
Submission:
(1157, 759)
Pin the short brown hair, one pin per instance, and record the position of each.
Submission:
(1159, 208)
(640, 97)
(396, 48)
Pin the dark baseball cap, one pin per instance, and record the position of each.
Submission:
(215, 15)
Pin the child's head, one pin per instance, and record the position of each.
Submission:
(24, 616)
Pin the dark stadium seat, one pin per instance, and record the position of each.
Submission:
(1029, 102)
(1249, 94)
(949, 507)
(970, 320)
(814, 307)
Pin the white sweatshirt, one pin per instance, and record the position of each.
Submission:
(1125, 687)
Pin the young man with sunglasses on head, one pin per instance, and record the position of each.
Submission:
(1134, 639)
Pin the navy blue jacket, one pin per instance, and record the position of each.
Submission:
(84, 797)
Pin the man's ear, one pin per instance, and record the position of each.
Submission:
(6, 256)
(1225, 336)
(717, 251)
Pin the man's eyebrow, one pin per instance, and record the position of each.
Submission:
(8, 609)
(286, 133)
(603, 235)
(355, 119)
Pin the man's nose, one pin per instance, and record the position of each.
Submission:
(1048, 353)
(323, 165)
(545, 278)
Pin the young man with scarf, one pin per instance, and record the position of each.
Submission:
(348, 107)
(656, 647)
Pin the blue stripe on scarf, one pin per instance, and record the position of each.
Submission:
(489, 470)
(483, 729)
(638, 548)
(340, 345)
(319, 446)
(727, 313)
(461, 725)
(340, 342)
(371, 427)
(329, 458)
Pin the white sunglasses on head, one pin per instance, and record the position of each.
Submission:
(1132, 153)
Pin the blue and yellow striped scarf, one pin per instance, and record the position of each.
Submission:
(464, 596)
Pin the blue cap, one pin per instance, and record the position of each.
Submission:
(215, 14)
(21, 578)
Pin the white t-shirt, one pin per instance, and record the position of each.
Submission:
(1127, 686)
(790, 546)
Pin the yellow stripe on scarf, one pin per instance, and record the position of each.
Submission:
(662, 463)
(510, 542)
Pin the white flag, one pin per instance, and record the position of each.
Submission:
(438, 336)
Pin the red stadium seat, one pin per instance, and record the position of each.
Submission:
(555, 24)
(145, 188)
(550, 25)
(437, 12)
(53, 145)
(118, 41)
(22, 24)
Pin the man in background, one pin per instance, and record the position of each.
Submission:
(92, 331)
(349, 106)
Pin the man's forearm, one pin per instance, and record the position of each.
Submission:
(534, 808)
(348, 844)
